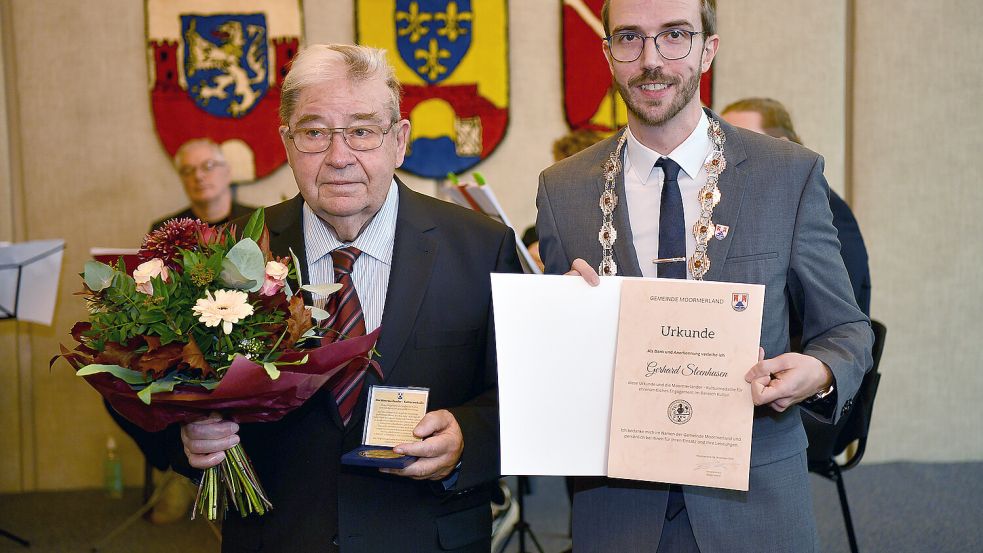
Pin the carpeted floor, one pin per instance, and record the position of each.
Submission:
(897, 508)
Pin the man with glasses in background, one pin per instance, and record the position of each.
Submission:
(682, 194)
(419, 268)
(207, 181)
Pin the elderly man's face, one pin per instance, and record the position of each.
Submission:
(345, 187)
(205, 176)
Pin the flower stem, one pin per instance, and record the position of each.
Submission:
(235, 477)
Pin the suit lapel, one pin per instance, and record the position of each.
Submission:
(286, 225)
(732, 185)
(414, 255)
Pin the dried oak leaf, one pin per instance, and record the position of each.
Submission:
(300, 320)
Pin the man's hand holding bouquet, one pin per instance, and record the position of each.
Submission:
(208, 323)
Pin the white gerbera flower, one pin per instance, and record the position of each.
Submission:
(226, 306)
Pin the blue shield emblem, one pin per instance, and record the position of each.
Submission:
(433, 40)
(739, 301)
(226, 62)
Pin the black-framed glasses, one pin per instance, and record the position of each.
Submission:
(206, 167)
(314, 140)
(672, 44)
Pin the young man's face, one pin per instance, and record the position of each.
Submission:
(656, 89)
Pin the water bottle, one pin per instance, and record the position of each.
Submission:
(113, 471)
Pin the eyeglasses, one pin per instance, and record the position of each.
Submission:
(314, 140)
(672, 44)
(206, 167)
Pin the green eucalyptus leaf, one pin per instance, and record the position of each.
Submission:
(249, 264)
(126, 375)
(165, 384)
(232, 278)
(272, 370)
(296, 261)
(322, 289)
(254, 227)
(98, 276)
(317, 313)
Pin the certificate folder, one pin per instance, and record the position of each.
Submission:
(576, 402)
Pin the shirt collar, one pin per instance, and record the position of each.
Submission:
(690, 155)
(376, 240)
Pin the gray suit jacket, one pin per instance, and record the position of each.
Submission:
(774, 198)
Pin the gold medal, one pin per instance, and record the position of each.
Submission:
(379, 454)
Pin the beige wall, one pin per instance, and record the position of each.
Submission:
(794, 52)
(917, 192)
(108, 176)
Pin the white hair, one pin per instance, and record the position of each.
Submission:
(323, 62)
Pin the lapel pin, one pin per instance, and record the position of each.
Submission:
(720, 231)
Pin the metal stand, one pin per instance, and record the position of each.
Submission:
(522, 527)
(14, 538)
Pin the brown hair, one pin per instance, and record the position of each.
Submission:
(775, 119)
(708, 17)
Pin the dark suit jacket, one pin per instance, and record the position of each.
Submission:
(437, 332)
(239, 211)
(852, 250)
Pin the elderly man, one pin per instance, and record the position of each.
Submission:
(630, 206)
(207, 182)
(421, 270)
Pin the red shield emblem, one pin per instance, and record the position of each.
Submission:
(216, 72)
(589, 97)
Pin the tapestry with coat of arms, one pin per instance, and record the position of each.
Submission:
(452, 58)
(215, 71)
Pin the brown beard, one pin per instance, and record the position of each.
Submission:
(687, 89)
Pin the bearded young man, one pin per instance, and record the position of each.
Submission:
(775, 228)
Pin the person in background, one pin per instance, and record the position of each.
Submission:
(768, 116)
(771, 225)
(207, 181)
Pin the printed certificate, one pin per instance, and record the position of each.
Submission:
(681, 411)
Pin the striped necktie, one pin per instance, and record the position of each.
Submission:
(346, 321)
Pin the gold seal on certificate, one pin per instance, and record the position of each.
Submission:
(683, 350)
(390, 417)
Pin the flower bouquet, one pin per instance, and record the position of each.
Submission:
(207, 323)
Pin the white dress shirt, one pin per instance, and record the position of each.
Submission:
(371, 271)
(643, 191)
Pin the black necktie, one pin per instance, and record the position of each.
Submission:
(672, 225)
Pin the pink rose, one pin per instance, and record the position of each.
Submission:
(146, 271)
(276, 278)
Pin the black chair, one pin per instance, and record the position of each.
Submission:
(828, 441)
